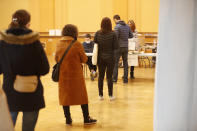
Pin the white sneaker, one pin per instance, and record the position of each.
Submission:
(101, 98)
(111, 98)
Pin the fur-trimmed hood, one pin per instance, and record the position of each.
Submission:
(10, 38)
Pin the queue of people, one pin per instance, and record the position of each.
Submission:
(23, 61)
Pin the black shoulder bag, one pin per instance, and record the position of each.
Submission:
(56, 67)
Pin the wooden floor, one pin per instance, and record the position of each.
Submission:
(131, 111)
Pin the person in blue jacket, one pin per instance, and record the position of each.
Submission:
(123, 33)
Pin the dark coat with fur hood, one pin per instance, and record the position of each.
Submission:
(21, 53)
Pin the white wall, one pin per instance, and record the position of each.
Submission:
(176, 82)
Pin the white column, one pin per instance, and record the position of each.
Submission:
(175, 106)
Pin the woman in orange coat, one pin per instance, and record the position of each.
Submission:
(72, 88)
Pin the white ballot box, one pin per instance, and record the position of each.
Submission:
(58, 32)
(52, 32)
(132, 59)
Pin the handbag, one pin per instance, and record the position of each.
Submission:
(23, 84)
(95, 54)
(56, 67)
(26, 84)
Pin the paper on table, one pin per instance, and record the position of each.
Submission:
(51, 32)
(58, 32)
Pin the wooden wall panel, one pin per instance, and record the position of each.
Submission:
(61, 13)
(86, 14)
(120, 7)
(51, 41)
(149, 15)
(7, 8)
(34, 9)
(46, 15)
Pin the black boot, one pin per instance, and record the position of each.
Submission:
(132, 76)
(67, 115)
(69, 121)
(87, 119)
(132, 72)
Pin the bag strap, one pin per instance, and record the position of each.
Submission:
(66, 51)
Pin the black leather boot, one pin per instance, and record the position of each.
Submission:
(67, 115)
(87, 119)
(68, 121)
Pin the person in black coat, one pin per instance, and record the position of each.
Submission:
(21, 53)
(88, 47)
(107, 44)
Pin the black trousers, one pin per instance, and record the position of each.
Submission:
(108, 67)
(90, 65)
(84, 110)
(132, 71)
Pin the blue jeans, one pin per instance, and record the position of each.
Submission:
(122, 51)
(29, 120)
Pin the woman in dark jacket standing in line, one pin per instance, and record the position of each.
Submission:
(21, 53)
(107, 43)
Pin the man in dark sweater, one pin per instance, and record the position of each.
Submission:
(123, 33)
(88, 47)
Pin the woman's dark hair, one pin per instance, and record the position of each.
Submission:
(117, 17)
(131, 23)
(20, 19)
(88, 36)
(106, 25)
(70, 30)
